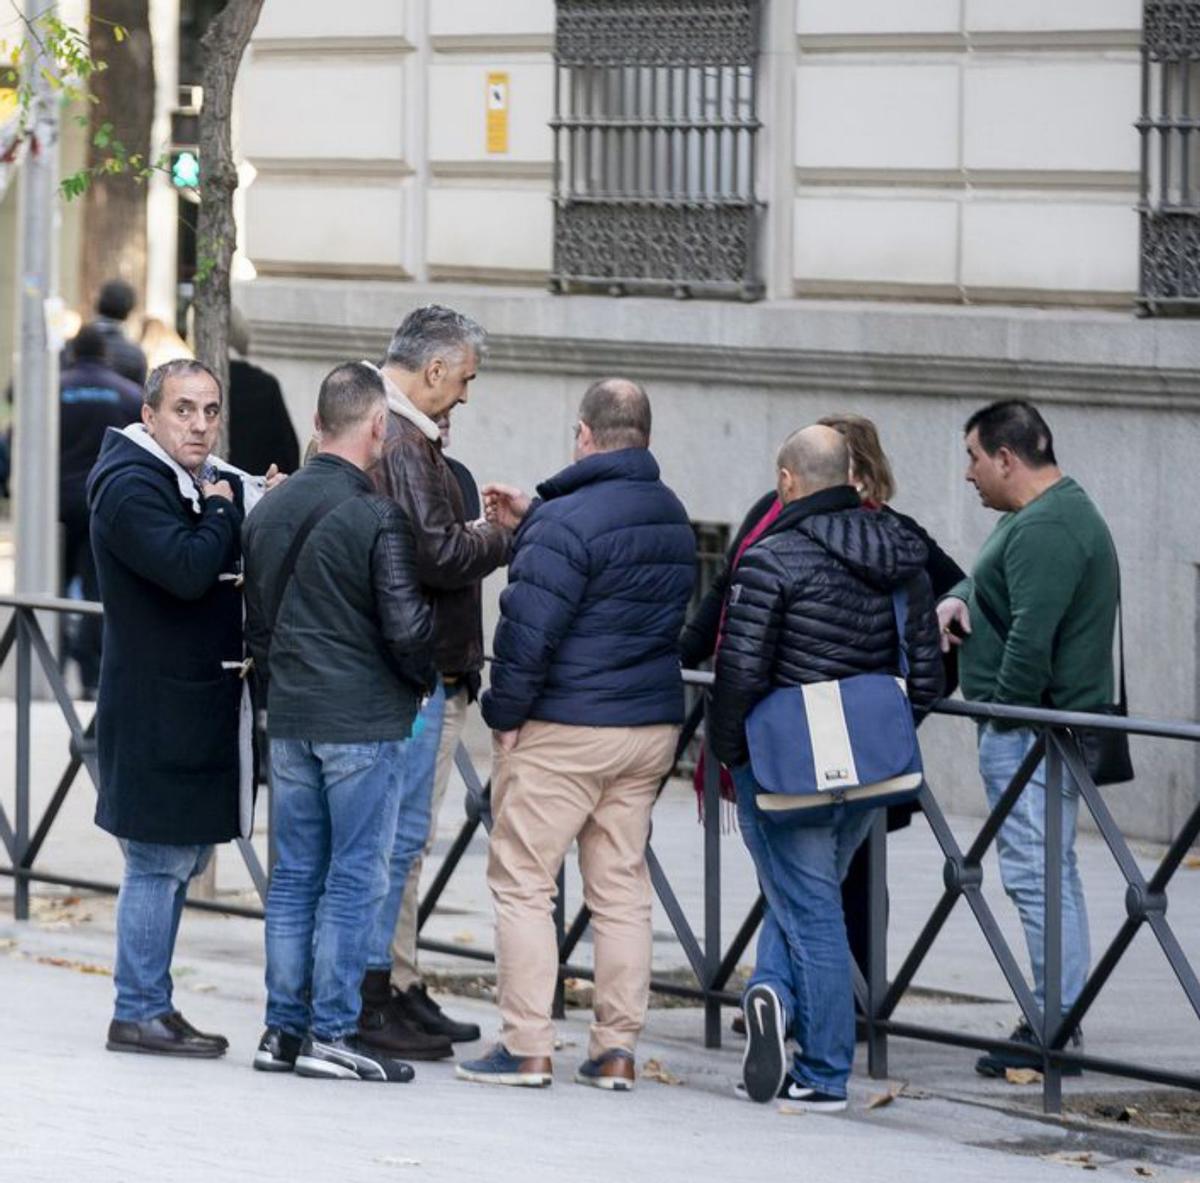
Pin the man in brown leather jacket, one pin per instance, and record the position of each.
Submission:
(430, 363)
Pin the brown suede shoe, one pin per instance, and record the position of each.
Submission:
(614, 1070)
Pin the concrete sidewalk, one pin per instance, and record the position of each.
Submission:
(67, 1106)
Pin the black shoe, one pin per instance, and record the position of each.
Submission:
(177, 1020)
(764, 1065)
(422, 1010)
(997, 1063)
(277, 1050)
(349, 1058)
(790, 1090)
(160, 1037)
(388, 1028)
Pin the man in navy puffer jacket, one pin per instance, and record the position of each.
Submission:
(586, 702)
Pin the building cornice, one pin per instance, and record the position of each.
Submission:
(823, 372)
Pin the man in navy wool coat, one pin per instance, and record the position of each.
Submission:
(586, 701)
(165, 525)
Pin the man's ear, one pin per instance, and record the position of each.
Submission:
(316, 425)
(435, 372)
(1005, 459)
(147, 414)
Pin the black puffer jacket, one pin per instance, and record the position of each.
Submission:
(812, 601)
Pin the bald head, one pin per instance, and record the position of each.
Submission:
(617, 415)
(810, 460)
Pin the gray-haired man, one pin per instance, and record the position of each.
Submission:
(432, 359)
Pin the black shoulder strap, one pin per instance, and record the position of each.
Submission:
(288, 566)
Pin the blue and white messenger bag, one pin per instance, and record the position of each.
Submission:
(847, 743)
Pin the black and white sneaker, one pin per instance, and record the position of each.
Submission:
(349, 1058)
(790, 1090)
(277, 1051)
(764, 1064)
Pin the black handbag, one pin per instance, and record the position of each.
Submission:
(1105, 753)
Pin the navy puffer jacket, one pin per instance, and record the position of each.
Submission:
(811, 601)
(601, 574)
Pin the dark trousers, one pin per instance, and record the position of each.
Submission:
(83, 636)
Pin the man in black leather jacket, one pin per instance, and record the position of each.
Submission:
(811, 601)
(333, 605)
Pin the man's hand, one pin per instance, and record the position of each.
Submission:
(507, 740)
(504, 505)
(273, 477)
(954, 622)
(217, 489)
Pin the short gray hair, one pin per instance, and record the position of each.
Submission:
(349, 393)
(434, 331)
(179, 367)
(618, 412)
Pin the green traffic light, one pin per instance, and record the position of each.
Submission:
(185, 171)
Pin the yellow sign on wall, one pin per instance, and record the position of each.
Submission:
(497, 113)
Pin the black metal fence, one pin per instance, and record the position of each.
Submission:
(712, 963)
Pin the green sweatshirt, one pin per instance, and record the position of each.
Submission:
(1049, 573)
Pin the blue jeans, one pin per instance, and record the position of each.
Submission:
(148, 911)
(1021, 849)
(412, 823)
(334, 811)
(803, 954)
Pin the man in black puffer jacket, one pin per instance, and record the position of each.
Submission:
(811, 601)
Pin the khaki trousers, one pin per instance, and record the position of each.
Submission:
(404, 939)
(560, 783)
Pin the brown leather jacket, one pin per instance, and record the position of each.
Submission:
(452, 556)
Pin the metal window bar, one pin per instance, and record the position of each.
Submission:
(1169, 203)
(878, 997)
(650, 190)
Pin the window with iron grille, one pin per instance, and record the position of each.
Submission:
(654, 129)
(1170, 139)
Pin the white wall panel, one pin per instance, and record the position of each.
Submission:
(332, 223)
(458, 111)
(462, 18)
(877, 16)
(875, 116)
(1034, 15)
(490, 228)
(1069, 246)
(890, 240)
(317, 18)
(1051, 115)
(305, 108)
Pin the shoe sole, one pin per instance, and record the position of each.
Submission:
(361, 1068)
(213, 1053)
(764, 1063)
(265, 1062)
(527, 1080)
(613, 1084)
(819, 1106)
(739, 1091)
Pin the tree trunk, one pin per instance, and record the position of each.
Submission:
(216, 233)
(114, 238)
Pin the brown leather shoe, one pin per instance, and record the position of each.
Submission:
(614, 1070)
(500, 1066)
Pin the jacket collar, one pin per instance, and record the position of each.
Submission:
(328, 460)
(627, 464)
(252, 487)
(823, 501)
(400, 404)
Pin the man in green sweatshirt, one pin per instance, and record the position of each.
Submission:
(1035, 625)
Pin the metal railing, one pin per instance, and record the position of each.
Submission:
(712, 964)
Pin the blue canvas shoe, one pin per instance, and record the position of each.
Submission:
(500, 1066)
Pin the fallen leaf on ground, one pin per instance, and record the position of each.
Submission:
(657, 1070)
(464, 938)
(203, 988)
(1022, 1076)
(1192, 862)
(7, 945)
(792, 1110)
(1143, 1172)
(1128, 1113)
(81, 967)
(879, 1100)
(1073, 1158)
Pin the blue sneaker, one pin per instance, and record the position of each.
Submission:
(500, 1066)
(614, 1070)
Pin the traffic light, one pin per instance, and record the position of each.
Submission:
(185, 169)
